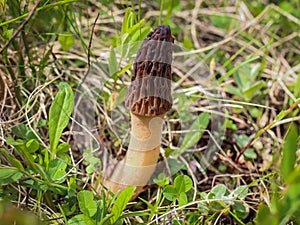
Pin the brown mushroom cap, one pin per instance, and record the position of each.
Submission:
(150, 91)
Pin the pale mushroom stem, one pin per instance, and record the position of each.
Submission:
(142, 155)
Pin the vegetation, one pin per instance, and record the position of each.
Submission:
(231, 140)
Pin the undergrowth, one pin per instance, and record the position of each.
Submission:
(230, 142)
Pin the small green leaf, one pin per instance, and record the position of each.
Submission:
(81, 219)
(23, 132)
(254, 89)
(112, 63)
(9, 175)
(195, 134)
(250, 153)
(57, 169)
(170, 193)
(93, 161)
(86, 203)
(183, 183)
(66, 41)
(240, 192)
(128, 20)
(297, 87)
(121, 202)
(289, 151)
(264, 216)
(22, 150)
(63, 148)
(162, 180)
(222, 22)
(59, 114)
(217, 192)
(32, 145)
(182, 200)
(13, 160)
(241, 210)
(242, 139)
(230, 125)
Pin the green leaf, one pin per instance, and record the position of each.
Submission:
(264, 216)
(121, 202)
(242, 139)
(59, 114)
(289, 151)
(112, 63)
(66, 41)
(237, 67)
(128, 20)
(222, 22)
(162, 180)
(170, 193)
(9, 175)
(63, 148)
(86, 203)
(234, 90)
(182, 200)
(13, 160)
(297, 87)
(22, 150)
(93, 161)
(195, 132)
(254, 89)
(32, 145)
(240, 192)
(240, 210)
(57, 169)
(183, 183)
(23, 132)
(250, 153)
(81, 219)
(217, 192)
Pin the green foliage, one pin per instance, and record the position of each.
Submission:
(224, 22)
(289, 152)
(59, 115)
(220, 199)
(162, 180)
(93, 162)
(177, 191)
(120, 204)
(285, 206)
(9, 175)
(86, 203)
(195, 132)
(66, 41)
(247, 85)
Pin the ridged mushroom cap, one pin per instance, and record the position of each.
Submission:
(150, 91)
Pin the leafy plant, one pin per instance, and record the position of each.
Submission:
(105, 211)
(246, 81)
(284, 206)
(177, 191)
(220, 199)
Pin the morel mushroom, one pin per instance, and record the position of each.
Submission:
(148, 99)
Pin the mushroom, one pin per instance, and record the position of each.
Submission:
(148, 99)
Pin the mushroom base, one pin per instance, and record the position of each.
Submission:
(140, 161)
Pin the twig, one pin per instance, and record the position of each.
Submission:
(279, 117)
(18, 30)
(89, 52)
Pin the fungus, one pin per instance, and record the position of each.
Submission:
(148, 99)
